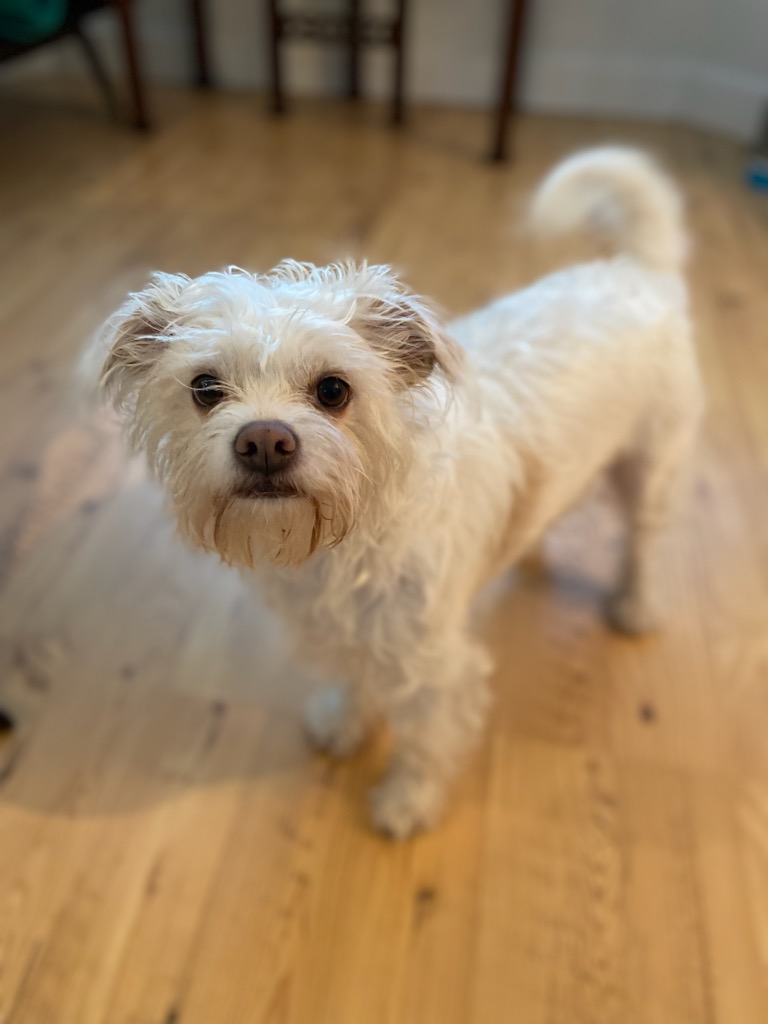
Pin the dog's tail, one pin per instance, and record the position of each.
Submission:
(621, 198)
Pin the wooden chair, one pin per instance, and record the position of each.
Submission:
(78, 12)
(352, 28)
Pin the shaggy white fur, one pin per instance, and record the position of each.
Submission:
(451, 452)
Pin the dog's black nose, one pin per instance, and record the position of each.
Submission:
(266, 446)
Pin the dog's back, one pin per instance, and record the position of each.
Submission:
(593, 365)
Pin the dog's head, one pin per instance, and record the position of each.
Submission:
(281, 410)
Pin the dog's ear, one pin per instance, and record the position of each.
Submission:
(410, 335)
(139, 331)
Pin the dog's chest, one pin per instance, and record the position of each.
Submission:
(349, 606)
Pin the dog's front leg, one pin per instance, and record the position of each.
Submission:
(339, 719)
(434, 726)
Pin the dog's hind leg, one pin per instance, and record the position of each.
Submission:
(649, 482)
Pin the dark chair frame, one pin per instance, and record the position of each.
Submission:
(352, 28)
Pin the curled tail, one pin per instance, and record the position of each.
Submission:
(618, 196)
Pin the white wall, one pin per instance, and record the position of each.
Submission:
(704, 61)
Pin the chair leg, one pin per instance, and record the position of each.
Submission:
(275, 36)
(139, 114)
(398, 102)
(507, 102)
(99, 71)
(200, 40)
(353, 85)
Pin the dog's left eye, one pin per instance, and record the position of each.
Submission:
(207, 391)
(333, 392)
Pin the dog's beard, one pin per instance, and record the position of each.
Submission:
(247, 529)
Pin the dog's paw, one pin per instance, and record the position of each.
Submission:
(629, 613)
(332, 726)
(406, 802)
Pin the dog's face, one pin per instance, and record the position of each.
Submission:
(279, 410)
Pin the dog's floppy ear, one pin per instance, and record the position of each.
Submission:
(138, 332)
(410, 335)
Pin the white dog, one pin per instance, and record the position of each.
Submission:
(374, 467)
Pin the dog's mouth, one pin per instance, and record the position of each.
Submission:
(268, 490)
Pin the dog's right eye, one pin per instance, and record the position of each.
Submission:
(207, 391)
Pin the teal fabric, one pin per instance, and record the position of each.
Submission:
(28, 21)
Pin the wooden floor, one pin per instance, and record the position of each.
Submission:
(170, 851)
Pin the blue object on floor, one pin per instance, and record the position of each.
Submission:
(757, 172)
(757, 164)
